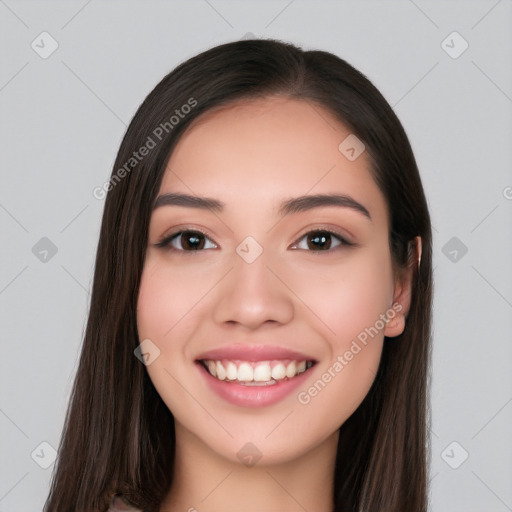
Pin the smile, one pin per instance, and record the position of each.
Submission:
(254, 383)
(255, 373)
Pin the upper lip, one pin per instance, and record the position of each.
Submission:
(253, 353)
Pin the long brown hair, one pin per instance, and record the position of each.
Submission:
(118, 435)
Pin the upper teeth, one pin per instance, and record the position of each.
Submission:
(261, 371)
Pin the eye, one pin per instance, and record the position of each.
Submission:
(187, 240)
(321, 240)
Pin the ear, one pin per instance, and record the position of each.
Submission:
(402, 293)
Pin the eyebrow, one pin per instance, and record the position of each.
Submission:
(289, 206)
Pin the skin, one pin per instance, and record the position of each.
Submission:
(252, 156)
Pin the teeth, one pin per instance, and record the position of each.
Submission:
(245, 372)
(279, 371)
(291, 369)
(262, 372)
(256, 373)
(221, 373)
(231, 371)
(212, 368)
(259, 384)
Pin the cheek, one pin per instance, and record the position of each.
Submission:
(167, 299)
(152, 305)
(346, 305)
(166, 306)
(347, 299)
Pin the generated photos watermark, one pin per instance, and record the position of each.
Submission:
(157, 135)
(342, 360)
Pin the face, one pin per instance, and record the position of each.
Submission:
(285, 300)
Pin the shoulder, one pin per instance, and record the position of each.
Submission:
(118, 504)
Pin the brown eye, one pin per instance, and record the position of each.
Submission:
(191, 241)
(187, 241)
(321, 240)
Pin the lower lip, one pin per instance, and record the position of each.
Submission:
(253, 396)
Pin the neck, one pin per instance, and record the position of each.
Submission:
(204, 481)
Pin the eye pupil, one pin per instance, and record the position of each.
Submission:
(192, 241)
(319, 241)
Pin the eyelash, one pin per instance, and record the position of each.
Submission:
(165, 243)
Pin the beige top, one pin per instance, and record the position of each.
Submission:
(117, 504)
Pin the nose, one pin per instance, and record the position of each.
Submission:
(252, 295)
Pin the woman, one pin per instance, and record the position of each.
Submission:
(259, 328)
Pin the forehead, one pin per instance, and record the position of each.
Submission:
(266, 150)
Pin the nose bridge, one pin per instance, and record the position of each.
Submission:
(251, 294)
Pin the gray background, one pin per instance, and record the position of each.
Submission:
(63, 117)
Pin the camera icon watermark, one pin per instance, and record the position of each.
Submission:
(44, 250)
(44, 45)
(249, 455)
(44, 455)
(249, 249)
(351, 147)
(147, 352)
(454, 249)
(454, 455)
(454, 45)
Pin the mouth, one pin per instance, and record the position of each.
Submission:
(250, 375)
(254, 381)
(256, 373)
